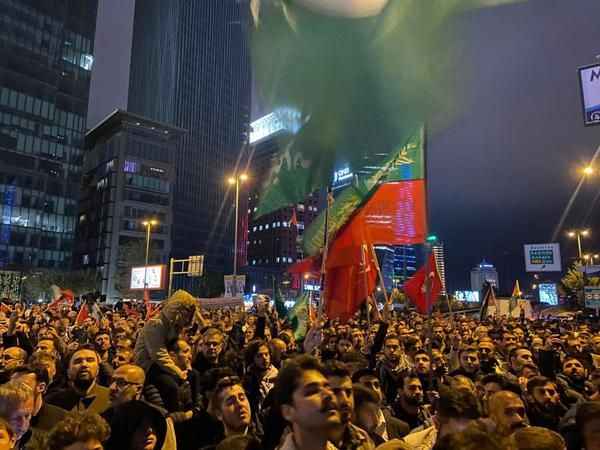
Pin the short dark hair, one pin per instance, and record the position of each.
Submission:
(458, 403)
(572, 358)
(222, 384)
(422, 352)
(363, 395)
(538, 438)
(389, 337)
(77, 427)
(586, 412)
(356, 376)
(468, 349)
(513, 351)
(252, 350)
(87, 347)
(474, 437)
(40, 372)
(493, 378)
(289, 377)
(408, 374)
(335, 368)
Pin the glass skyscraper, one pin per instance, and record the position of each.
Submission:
(189, 67)
(46, 58)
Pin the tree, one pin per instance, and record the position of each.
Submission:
(574, 281)
(37, 284)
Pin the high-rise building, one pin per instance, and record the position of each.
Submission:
(46, 58)
(440, 260)
(484, 272)
(184, 63)
(128, 180)
(405, 263)
(274, 241)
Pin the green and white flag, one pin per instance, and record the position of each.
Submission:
(298, 316)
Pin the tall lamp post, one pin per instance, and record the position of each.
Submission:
(236, 180)
(148, 224)
(578, 234)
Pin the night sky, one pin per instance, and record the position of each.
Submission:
(502, 173)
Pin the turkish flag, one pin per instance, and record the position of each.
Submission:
(416, 287)
(83, 314)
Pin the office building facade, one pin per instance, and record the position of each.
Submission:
(129, 178)
(483, 273)
(187, 65)
(440, 260)
(46, 58)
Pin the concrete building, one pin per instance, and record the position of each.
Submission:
(183, 63)
(484, 272)
(46, 59)
(129, 177)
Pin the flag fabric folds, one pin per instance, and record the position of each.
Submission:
(416, 288)
(514, 298)
(488, 302)
(83, 314)
(350, 276)
(405, 164)
(279, 305)
(299, 315)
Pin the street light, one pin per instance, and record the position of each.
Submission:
(578, 234)
(588, 171)
(148, 224)
(236, 180)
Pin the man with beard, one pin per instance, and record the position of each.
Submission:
(260, 374)
(519, 357)
(390, 368)
(83, 392)
(487, 359)
(104, 349)
(507, 412)
(307, 403)
(544, 407)
(348, 436)
(469, 363)
(127, 384)
(407, 406)
(573, 374)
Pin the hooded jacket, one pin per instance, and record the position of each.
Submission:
(151, 344)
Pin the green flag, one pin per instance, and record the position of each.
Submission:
(298, 316)
(359, 86)
(406, 163)
(279, 305)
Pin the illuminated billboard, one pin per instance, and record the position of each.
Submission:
(154, 277)
(542, 258)
(589, 79)
(548, 293)
(467, 296)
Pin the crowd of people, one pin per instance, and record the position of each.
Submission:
(232, 379)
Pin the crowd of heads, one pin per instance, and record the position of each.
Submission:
(232, 378)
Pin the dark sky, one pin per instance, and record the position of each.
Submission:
(502, 173)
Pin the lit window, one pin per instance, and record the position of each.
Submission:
(266, 226)
(260, 228)
(285, 224)
(255, 209)
(278, 259)
(254, 229)
(86, 260)
(274, 224)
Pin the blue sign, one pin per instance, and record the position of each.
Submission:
(548, 293)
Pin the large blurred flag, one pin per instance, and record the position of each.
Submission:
(425, 286)
(357, 77)
(298, 316)
(407, 163)
(488, 302)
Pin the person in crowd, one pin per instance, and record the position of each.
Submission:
(469, 363)
(391, 366)
(537, 438)
(410, 399)
(44, 416)
(456, 410)
(518, 358)
(232, 408)
(122, 357)
(388, 427)
(507, 412)
(127, 384)
(151, 353)
(544, 406)
(77, 431)
(348, 435)
(307, 403)
(137, 425)
(260, 374)
(487, 357)
(13, 357)
(211, 346)
(83, 393)
(7, 436)
(16, 408)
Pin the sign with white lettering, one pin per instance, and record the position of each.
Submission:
(589, 78)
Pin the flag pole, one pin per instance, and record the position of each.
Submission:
(376, 261)
(367, 302)
(325, 251)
